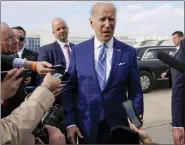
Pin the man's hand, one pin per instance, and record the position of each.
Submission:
(178, 135)
(163, 75)
(43, 68)
(72, 132)
(11, 83)
(55, 136)
(27, 80)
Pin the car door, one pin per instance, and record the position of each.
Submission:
(150, 62)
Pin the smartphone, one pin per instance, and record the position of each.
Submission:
(57, 75)
(131, 113)
(59, 67)
(65, 82)
(63, 78)
(23, 74)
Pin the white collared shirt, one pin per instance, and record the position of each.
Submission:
(177, 47)
(109, 53)
(20, 52)
(62, 45)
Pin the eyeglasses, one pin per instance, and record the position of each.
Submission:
(11, 38)
(20, 38)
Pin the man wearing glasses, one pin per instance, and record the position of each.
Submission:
(22, 52)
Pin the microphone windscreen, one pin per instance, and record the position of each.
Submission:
(123, 135)
(171, 61)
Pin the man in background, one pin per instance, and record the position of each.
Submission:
(177, 36)
(58, 52)
(178, 99)
(20, 35)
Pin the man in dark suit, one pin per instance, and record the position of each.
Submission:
(59, 51)
(178, 97)
(177, 36)
(101, 69)
(20, 35)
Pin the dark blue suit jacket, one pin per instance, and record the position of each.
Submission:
(90, 98)
(178, 90)
(53, 54)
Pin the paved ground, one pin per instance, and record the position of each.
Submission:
(157, 115)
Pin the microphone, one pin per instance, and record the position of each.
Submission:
(123, 135)
(171, 61)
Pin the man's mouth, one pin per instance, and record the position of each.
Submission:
(107, 32)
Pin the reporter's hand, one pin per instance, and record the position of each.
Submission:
(55, 135)
(178, 135)
(27, 80)
(51, 83)
(11, 83)
(72, 132)
(58, 90)
(43, 68)
(144, 137)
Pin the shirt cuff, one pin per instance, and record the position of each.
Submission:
(18, 62)
(70, 126)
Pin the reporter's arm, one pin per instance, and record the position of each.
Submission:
(10, 62)
(22, 120)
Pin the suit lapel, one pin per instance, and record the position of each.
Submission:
(24, 53)
(71, 46)
(117, 53)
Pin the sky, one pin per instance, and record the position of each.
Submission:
(134, 18)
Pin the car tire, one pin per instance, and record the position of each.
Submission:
(147, 81)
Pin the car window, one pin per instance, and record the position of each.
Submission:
(150, 54)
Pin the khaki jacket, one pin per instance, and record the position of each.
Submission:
(19, 125)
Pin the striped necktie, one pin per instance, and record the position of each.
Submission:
(101, 67)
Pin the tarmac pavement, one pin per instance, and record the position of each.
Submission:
(157, 115)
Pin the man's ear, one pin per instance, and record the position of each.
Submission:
(91, 22)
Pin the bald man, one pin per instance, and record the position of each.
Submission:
(59, 51)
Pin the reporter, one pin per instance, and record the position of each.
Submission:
(19, 125)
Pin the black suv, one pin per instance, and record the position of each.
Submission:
(150, 67)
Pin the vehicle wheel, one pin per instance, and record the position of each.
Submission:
(147, 81)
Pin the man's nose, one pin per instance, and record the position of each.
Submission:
(107, 23)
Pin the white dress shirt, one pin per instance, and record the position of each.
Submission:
(64, 50)
(109, 52)
(177, 47)
(20, 52)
